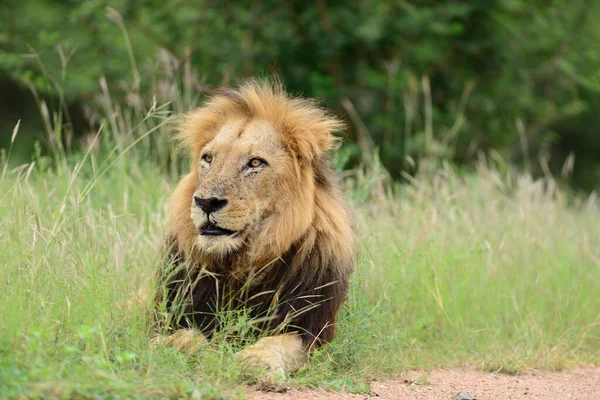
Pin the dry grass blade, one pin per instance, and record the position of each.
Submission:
(15, 132)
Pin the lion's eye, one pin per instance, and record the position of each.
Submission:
(256, 162)
(208, 158)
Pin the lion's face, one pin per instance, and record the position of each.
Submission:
(243, 175)
(259, 182)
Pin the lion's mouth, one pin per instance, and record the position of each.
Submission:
(215, 230)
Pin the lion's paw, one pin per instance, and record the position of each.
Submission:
(184, 340)
(277, 355)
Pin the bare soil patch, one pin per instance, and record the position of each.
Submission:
(581, 383)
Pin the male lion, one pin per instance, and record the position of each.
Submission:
(258, 224)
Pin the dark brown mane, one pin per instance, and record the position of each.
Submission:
(286, 294)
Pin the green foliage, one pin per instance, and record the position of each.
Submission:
(521, 77)
(491, 269)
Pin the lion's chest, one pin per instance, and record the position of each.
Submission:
(210, 298)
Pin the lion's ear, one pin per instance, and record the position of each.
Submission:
(324, 132)
(315, 133)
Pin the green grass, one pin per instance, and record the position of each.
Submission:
(491, 270)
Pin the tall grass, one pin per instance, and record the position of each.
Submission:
(490, 269)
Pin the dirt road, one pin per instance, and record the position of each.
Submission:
(582, 383)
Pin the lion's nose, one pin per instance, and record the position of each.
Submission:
(210, 205)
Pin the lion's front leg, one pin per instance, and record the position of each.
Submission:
(281, 354)
(184, 340)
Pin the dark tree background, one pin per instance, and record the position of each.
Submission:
(443, 78)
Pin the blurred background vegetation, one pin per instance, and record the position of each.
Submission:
(447, 80)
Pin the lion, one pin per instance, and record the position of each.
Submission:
(258, 224)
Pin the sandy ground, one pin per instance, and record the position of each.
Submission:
(582, 383)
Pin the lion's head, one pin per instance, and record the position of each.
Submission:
(259, 181)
